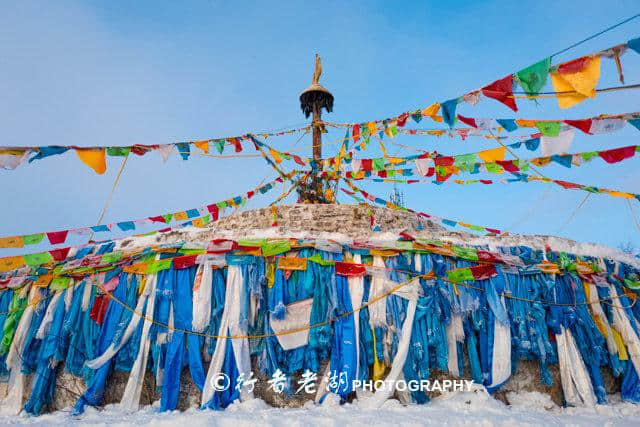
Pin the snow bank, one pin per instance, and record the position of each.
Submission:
(474, 408)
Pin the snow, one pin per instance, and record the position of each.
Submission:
(474, 408)
(195, 237)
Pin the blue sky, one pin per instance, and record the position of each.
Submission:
(119, 72)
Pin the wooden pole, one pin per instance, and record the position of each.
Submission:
(317, 148)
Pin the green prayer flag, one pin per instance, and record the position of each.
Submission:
(591, 189)
(276, 247)
(470, 254)
(219, 144)
(632, 284)
(431, 242)
(377, 164)
(33, 239)
(252, 242)
(16, 308)
(589, 155)
(441, 170)
(118, 151)
(38, 259)
(534, 77)
(404, 245)
(493, 168)
(318, 260)
(460, 275)
(187, 251)
(564, 261)
(465, 161)
(167, 218)
(549, 128)
(156, 266)
(59, 283)
(111, 257)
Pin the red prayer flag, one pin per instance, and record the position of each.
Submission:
(567, 185)
(468, 120)
(184, 261)
(583, 125)
(444, 161)
(214, 211)
(483, 271)
(99, 309)
(236, 143)
(221, 246)
(356, 133)
(366, 164)
(486, 256)
(618, 154)
(141, 150)
(298, 160)
(502, 90)
(57, 237)
(158, 218)
(349, 269)
(402, 119)
(508, 165)
(59, 254)
(573, 66)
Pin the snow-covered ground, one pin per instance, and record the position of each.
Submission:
(465, 408)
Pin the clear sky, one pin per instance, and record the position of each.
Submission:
(121, 72)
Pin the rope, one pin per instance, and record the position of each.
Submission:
(594, 36)
(428, 276)
(520, 95)
(526, 215)
(515, 155)
(573, 214)
(113, 189)
(633, 215)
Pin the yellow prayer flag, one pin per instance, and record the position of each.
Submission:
(541, 161)
(139, 268)
(432, 111)
(620, 194)
(493, 155)
(548, 267)
(11, 263)
(372, 127)
(622, 350)
(275, 155)
(292, 263)
(383, 252)
(11, 242)
(94, 158)
(583, 82)
(526, 123)
(203, 145)
(382, 148)
(43, 281)
(180, 216)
